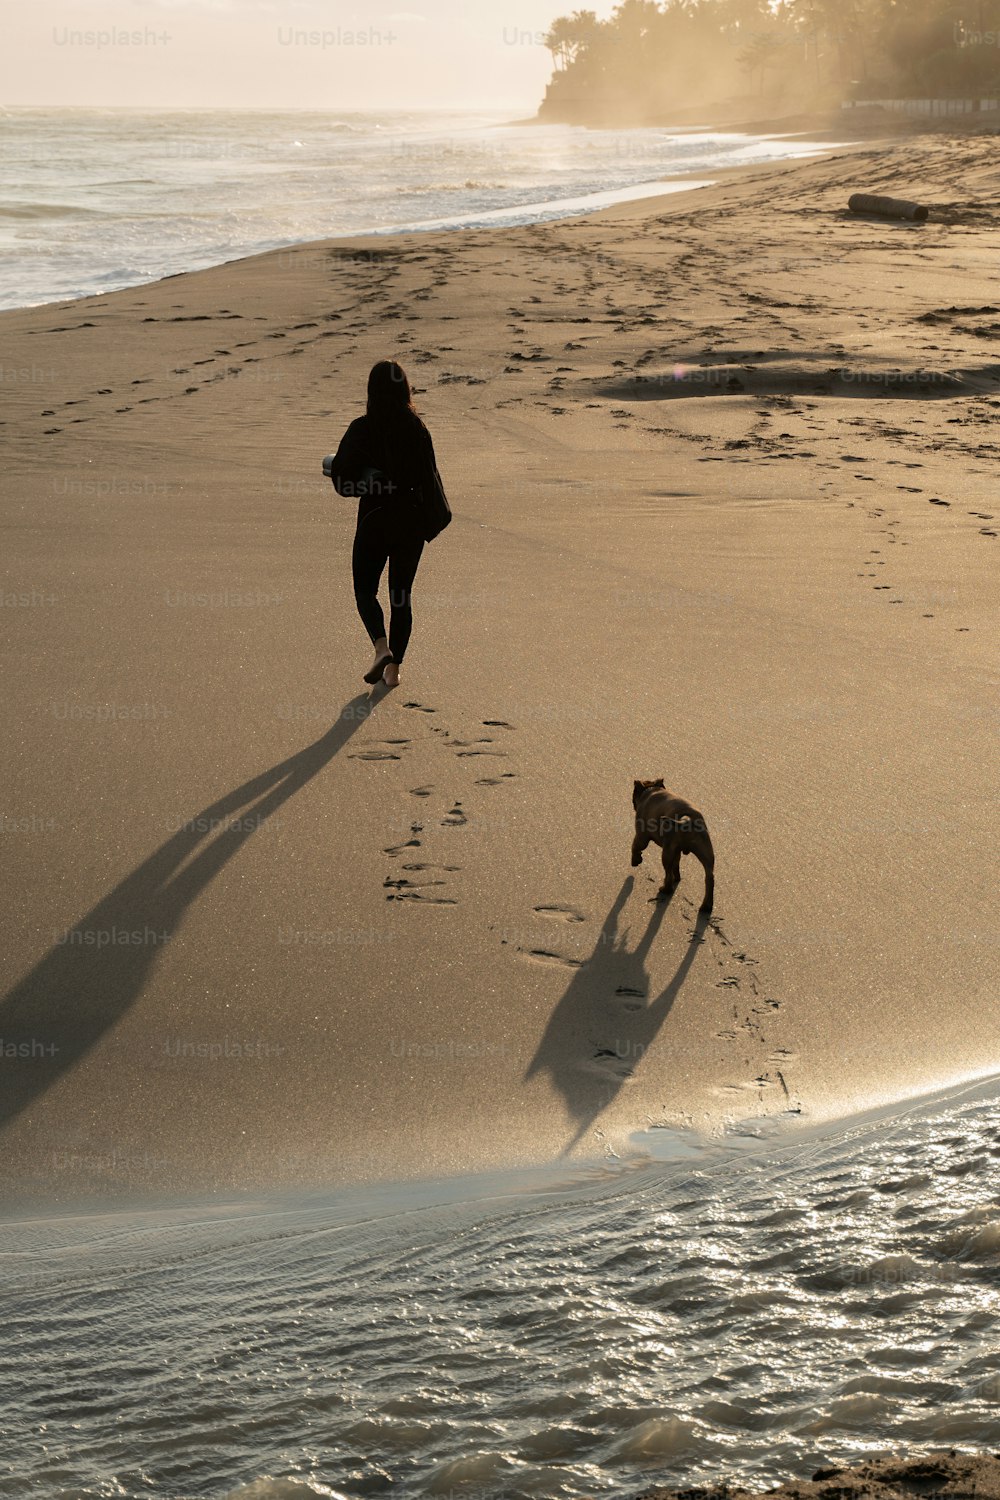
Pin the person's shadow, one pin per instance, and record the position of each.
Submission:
(97, 969)
(604, 1024)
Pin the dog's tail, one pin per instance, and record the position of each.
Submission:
(685, 828)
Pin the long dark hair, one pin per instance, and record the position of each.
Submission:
(390, 399)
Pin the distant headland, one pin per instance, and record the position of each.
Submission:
(669, 63)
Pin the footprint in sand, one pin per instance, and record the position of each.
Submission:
(421, 791)
(422, 708)
(546, 956)
(560, 913)
(454, 818)
(409, 844)
(404, 891)
(606, 1062)
(630, 998)
(375, 755)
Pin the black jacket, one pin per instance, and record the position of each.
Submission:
(405, 456)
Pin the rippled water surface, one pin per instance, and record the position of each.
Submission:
(752, 1307)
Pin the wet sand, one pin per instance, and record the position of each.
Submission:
(957, 1476)
(723, 467)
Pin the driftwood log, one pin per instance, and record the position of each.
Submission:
(887, 208)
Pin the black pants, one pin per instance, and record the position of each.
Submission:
(377, 542)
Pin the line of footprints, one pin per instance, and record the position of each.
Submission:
(750, 1010)
(876, 559)
(423, 880)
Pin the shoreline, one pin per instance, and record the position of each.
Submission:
(743, 1144)
(887, 1289)
(543, 211)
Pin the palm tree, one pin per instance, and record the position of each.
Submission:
(568, 36)
(634, 19)
(762, 52)
(557, 41)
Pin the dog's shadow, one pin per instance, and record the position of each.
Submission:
(605, 1022)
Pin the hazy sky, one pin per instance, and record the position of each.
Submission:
(315, 54)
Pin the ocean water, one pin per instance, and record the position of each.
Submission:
(753, 1306)
(93, 200)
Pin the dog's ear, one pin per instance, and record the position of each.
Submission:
(637, 787)
(658, 782)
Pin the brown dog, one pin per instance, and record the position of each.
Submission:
(679, 829)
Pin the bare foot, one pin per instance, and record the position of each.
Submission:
(381, 652)
(391, 675)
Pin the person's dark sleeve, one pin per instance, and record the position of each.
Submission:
(433, 475)
(349, 462)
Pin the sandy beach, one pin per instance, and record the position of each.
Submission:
(723, 468)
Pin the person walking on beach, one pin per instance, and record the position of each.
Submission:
(386, 459)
